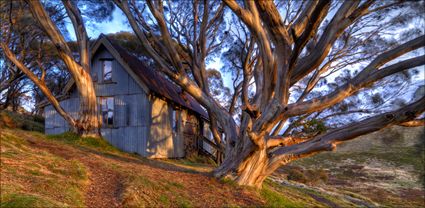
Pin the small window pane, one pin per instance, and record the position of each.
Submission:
(103, 104)
(174, 120)
(110, 118)
(107, 70)
(105, 117)
(110, 103)
(107, 110)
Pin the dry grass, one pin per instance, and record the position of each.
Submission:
(33, 177)
(387, 167)
(69, 171)
(64, 171)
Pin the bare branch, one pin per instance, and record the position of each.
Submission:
(329, 140)
(80, 32)
(364, 78)
(40, 83)
(346, 15)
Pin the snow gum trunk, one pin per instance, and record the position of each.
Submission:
(246, 164)
(88, 123)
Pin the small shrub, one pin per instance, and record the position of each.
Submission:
(323, 175)
(311, 176)
(26, 127)
(23, 121)
(6, 121)
(297, 175)
(318, 175)
(39, 119)
(392, 138)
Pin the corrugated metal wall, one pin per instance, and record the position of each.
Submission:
(142, 125)
(131, 108)
(163, 142)
(54, 123)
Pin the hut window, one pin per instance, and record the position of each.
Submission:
(107, 70)
(207, 132)
(107, 110)
(174, 120)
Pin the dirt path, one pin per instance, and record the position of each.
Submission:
(105, 185)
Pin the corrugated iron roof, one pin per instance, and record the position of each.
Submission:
(157, 82)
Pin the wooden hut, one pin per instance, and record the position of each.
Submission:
(141, 111)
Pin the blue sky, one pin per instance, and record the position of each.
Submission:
(117, 24)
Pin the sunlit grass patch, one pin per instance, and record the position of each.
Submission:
(279, 196)
(89, 142)
(19, 200)
(183, 202)
(275, 199)
(139, 191)
(229, 181)
(176, 184)
(33, 177)
(164, 200)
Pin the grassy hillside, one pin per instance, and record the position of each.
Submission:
(386, 167)
(68, 171)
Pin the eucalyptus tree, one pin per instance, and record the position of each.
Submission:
(22, 41)
(29, 24)
(12, 84)
(292, 46)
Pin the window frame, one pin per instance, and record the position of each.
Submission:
(108, 110)
(103, 61)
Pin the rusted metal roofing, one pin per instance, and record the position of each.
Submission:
(157, 83)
